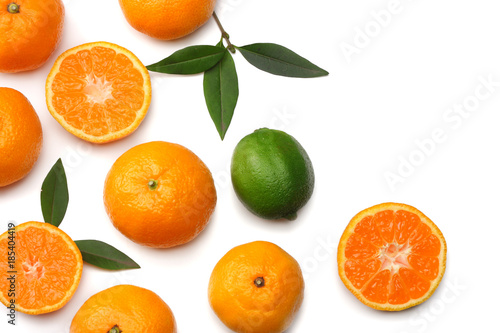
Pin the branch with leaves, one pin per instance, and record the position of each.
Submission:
(54, 199)
(220, 81)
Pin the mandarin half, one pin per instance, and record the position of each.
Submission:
(391, 256)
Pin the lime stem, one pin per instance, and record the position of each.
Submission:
(13, 8)
(152, 184)
(115, 329)
(225, 35)
(259, 282)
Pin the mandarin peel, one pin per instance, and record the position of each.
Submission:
(124, 308)
(159, 194)
(167, 19)
(31, 31)
(21, 136)
(256, 280)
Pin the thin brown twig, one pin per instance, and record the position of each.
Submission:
(225, 35)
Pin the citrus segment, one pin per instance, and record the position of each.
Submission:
(417, 285)
(383, 220)
(428, 267)
(360, 248)
(367, 227)
(397, 291)
(391, 256)
(48, 268)
(404, 224)
(360, 271)
(375, 290)
(99, 91)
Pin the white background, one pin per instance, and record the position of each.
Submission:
(357, 124)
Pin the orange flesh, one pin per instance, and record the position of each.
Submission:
(46, 268)
(392, 257)
(98, 91)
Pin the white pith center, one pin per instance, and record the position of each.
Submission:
(98, 90)
(33, 268)
(393, 256)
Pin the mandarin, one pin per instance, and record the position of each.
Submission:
(256, 288)
(167, 19)
(159, 194)
(124, 308)
(20, 136)
(31, 30)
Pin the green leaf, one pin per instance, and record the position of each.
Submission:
(105, 256)
(220, 85)
(54, 196)
(279, 60)
(190, 60)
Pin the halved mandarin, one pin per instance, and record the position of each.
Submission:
(40, 268)
(99, 91)
(391, 256)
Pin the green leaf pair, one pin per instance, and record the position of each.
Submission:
(220, 82)
(54, 199)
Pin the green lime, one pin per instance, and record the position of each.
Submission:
(272, 174)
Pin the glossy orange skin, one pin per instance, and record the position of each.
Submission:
(172, 214)
(240, 304)
(48, 265)
(131, 308)
(30, 36)
(167, 19)
(20, 136)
